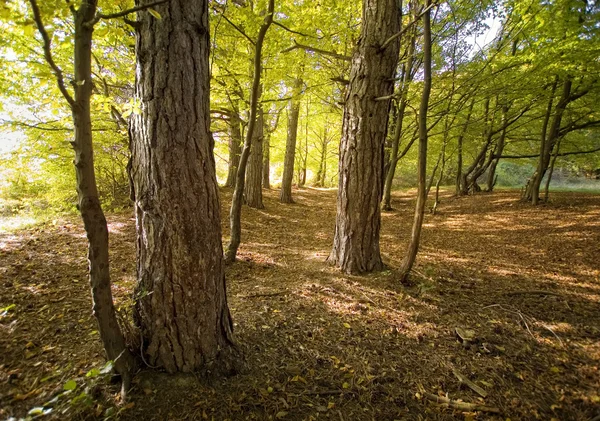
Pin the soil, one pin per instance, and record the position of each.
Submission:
(520, 284)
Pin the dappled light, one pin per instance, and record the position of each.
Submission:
(342, 341)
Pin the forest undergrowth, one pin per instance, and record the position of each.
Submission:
(502, 316)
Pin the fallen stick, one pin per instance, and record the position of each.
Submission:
(466, 406)
(464, 380)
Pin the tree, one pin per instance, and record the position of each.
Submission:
(235, 214)
(181, 304)
(415, 237)
(84, 19)
(290, 146)
(253, 186)
(366, 107)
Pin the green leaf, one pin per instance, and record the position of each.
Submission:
(94, 372)
(70, 385)
(154, 13)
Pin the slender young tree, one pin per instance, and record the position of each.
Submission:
(290, 146)
(181, 303)
(85, 16)
(364, 129)
(235, 214)
(415, 237)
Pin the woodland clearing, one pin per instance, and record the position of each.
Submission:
(319, 344)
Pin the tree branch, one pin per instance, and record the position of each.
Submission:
(537, 155)
(48, 53)
(100, 16)
(317, 50)
(240, 30)
(411, 23)
(281, 25)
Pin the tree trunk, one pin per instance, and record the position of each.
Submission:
(235, 213)
(459, 162)
(322, 172)
(266, 164)
(551, 139)
(413, 246)
(253, 189)
(181, 303)
(406, 79)
(235, 147)
(290, 146)
(551, 171)
(364, 129)
(90, 209)
(491, 178)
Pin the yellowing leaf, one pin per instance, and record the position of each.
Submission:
(70, 385)
(346, 385)
(347, 325)
(154, 13)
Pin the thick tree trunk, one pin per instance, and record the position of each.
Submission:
(290, 146)
(235, 147)
(181, 303)
(253, 188)
(235, 213)
(415, 237)
(364, 129)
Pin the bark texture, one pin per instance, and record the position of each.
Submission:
(235, 147)
(364, 129)
(290, 145)
(253, 189)
(181, 303)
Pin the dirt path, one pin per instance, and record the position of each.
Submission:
(319, 344)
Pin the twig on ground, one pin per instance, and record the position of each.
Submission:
(268, 294)
(467, 406)
(464, 380)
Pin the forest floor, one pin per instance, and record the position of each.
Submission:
(522, 284)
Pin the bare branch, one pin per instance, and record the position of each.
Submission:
(281, 25)
(237, 28)
(411, 23)
(317, 50)
(48, 53)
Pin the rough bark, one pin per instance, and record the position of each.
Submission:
(90, 209)
(235, 147)
(253, 188)
(364, 129)
(181, 303)
(290, 145)
(415, 237)
(235, 213)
